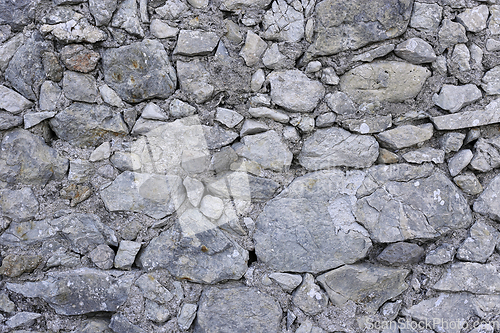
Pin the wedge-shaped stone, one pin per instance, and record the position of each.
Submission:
(471, 277)
(466, 119)
(384, 81)
(405, 136)
(366, 284)
(488, 202)
(194, 42)
(12, 101)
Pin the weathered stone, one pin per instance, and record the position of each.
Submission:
(273, 58)
(153, 290)
(287, 281)
(125, 256)
(160, 29)
(401, 81)
(237, 309)
(17, 14)
(263, 112)
(120, 324)
(415, 50)
(423, 155)
(102, 256)
(50, 95)
(283, 23)
(324, 120)
(452, 142)
(401, 253)
(194, 79)
(340, 103)
(440, 255)
(14, 265)
(196, 42)
(26, 159)
(366, 284)
(460, 61)
(405, 136)
(488, 202)
(102, 10)
(294, 91)
(313, 67)
(212, 207)
(368, 125)
(154, 195)
(84, 124)
(400, 202)
(6, 305)
(180, 109)
(309, 297)
(186, 315)
(126, 17)
(101, 153)
(80, 87)
(155, 312)
(479, 246)
(494, 23)
(487, 154)
(76, 30)
(234, 5)
(110, 96)
(426, 16)
(340, 27)
(78, 58)
(8, 49)
(76, 193)
(154, 112)
(242, 186)
(492, 45)
(53, 69)
(474, 19)
(451, 33)
(328, 76)
(22, 318)
(471, 277)
(228, 117)
(453, 98)
(314, 209)
(139, 71)
(126, 161)
(332, 147)
(253, 49)
(196, 250)
(491, 82)
(12, 102)
(377, 52)
(459, 161)
(466, 119)
(251, 127)
(19, 205)
(468, 183)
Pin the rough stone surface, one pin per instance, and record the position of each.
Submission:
(309, 297)
(416, 51)
(80, 87)
(193, 42)
(479, 246)
(426, 16)
(253, 49)
(400, 253)
(453, 98)
(488, 203)
(459, 161)
(423, 155)
(471, 277)
(405, 136)
(78, 58)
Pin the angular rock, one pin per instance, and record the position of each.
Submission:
(460, 61)
(479, 246)
(196, 42)
(423, 155)
(459, 161)
(22, 318)
(309, 227)
(470, 277)
(217, 137)
(139, 71)
(325, 120)
(6, 305)
(474, 19)
(125, 256)
(102, 10)
(440, 255)
(228, 117)
(110, 96)
(152, 289)
(405, 136)
(287, 281)
(491, 82)
(126, 161)
(186, 315)
(488, 203)
(263, 112)
(78, 291)
(26, 159)
(154, 195)
(160, 29)
(451, 33)
(194, 79)
(8, 121)
(426, 16)
(195, 249)
(154, 112)
(328, 76)
(242, 186)
(466, 119)
(253, 49)
(273, 58)
(85, 124)
(12, 102)
(487, 155)
(340, 27)
(78, 58)
(415, 50)
(377, 52)
(80, 87)
(19, 205)
(155, 312)
(468, 183)
(294, 91)
(233, 5)
(180, 109)
(389, 81)
(50, 95)
(8, 49)
(14, 265)
(401, 253)
(309, 297)
(340, 103)
(452, 142)
(102, 256)
(120, 324)
(76, 30)
(399, 203)
(366, 284)
(333, 147)
(17, 14)
(283, 23)
(101, 153)
(237, 309)
(453, 98)
(251, 126)
(212, 207)
(127, 18)
(368, 125)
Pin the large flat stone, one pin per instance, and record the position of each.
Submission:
(466, 119)
(470, 277)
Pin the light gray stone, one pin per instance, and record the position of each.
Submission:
(459, 161)
(6, 305)
(253, 49)
(377, 52)
(198, 3)
(258, 79)
(172, 9)
(305, 124)
(83, 124)
(401, 253)
(126, 161)
(180, 109)
(466, 119)
(474, 19)
(451, 33)
(325, 120)
(494, 22)
(237, 309)
(212, 207)
(294, 91)
(79, 291)
(480, 244)
(309, 297)
(76, 30)
(492, 45)
(333, 147)
(196, 42)
(453, 98)
(314, 209)
(273, 58)
(328, 76)
(101, 153)
(251, 126)
(110, 96)
(487, 155)
(161, 29)
(460, 60)
(196, 250)
(313, 67)
(153, 290)
(401, 81)
(234, 5)
(263, 112)
(139, 71)
(488, 202)
(13, 102)
(491, 82)
(102, 10)
(415, 50)
(340, 28)
(22, 318)
(368, 125)
(470, 277)
(452, 141)
(8, 121)
(283, 23)
(8, 49)
(194, 190)
(50, 95)
(194, 79)
(80, 87)
(125, 256)
(79, 170)
(102, 256)
(287, 281)
(468, 183)
(127, 18)
(228, 117)
(340, 103)
(155, 312)
(366, 284)
(186, 315)
(153, 111)
(154, 195)
(440, 255)
(423, 155)
(405, 136)
(426, 16)
(32, 119)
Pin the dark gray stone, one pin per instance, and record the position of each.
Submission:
(8, 121)
(401, 253)
(17, 13)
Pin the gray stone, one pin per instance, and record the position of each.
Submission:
(50, 95)
(251, 126)
(415, 50)
(76, 30)
(492, 45)
(22, 318)
(53, 69)
(451, 33)
(314, 209)
(161, 29)
(377, 52)
(273, 58)
(325, 120)
(494, 23)
(85, 124)
(283, 23)
(101, 153)
(196, 42)
(194, 80)
(258, 79)
(19, 205)
(488, 203)
(474, 19)
(102, 10)
(153, 111)
(155, 312)
(263, 112)
(8, 121)
(368, 125)
(487, 155)
(253, 49)
(127, 18)
(26, 159)
(304, 123)
(440, 255)
(237, 309)
(180, 109)
(14, 265)
(328, 76)
(154, 195)
(228, 117)
(153, 290)
(12, 102)
(110, 96)
(196, 250)
(453, 98)
(459, 161)
(61, 258)
(125, 256)
(333, 147)
(287, 281)
(426, 16)
(401, 253)
(234, 5)
(186, 316)
(401, 81)
(452, 142)
(466, 119)
(405, 136)
(17, 14)
(80, 87)
(309, 297)
(460, 61)
(242, 186)
(340, 103)
(294, 91)
(171, 9)
(194, 190)
(366, 284)
(468, 183)
(491, 82)
(6, 305)
(79, 170)
(120, 324)
(217, 137)
(78, 58)
(340, 28)
(399, 202)
(139, 71)
(313, 67)
(423, 155)
(480, 244)
(102, 256)
(79, 291)
(126, 161)
(470, 277)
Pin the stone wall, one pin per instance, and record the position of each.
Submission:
(249, 166)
